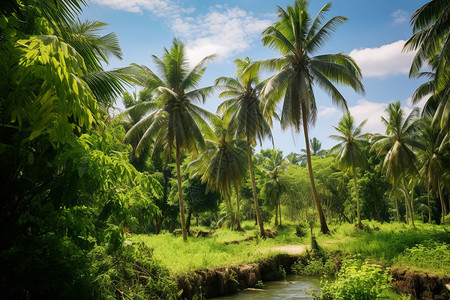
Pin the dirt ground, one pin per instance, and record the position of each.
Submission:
(291, 249)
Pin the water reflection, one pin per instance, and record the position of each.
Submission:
(295, 287)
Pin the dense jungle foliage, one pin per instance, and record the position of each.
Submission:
(79, 183)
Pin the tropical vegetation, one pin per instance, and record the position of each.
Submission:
(102, 205)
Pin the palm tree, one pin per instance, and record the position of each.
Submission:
(298, 37)
(397, 145)
(175, 121)
(349, 154)
(273, 185)
(431, 41)
(96, 50)
(431, 38)
(293, 158)
(246, 118)
(223, 164)
(431, 159)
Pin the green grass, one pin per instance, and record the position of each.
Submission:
(209, 252)
(382, 243)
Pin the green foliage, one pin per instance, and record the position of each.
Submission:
(359, 281)
(130, 273)
(314, 267)
(429, 256)
(301, 230)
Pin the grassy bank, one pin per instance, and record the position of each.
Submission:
(209, 252)
(383, 243)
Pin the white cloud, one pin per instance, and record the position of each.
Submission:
(400, 16)
(223, 31)
(158, 7)
(326, 111)
(383, 61)
(372, 111)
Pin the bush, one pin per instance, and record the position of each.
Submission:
(358, 281)
(429, 256)
(301, 230)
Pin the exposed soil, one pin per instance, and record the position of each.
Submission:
(228, 280)
(421, 285)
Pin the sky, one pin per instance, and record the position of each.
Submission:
(374, 36)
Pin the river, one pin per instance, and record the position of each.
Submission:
(295, 287)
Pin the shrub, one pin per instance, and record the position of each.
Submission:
(358, 281)
(301, 230)
(428, 256)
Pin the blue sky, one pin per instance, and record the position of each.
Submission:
(373, 36)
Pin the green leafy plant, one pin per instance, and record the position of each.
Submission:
(430, 256)
(357, 280)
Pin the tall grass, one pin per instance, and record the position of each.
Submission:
(382, 243)
(210, 252)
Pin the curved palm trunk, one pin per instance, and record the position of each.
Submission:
(444, 210)
(323, 222)
(255, 198)
(428, 202)
(276, 214)
(180, 193)
(279, 209)
(397, 208)
(358, 211)
(408, 203)
(238, 218)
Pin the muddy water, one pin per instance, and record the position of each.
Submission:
(295, 287)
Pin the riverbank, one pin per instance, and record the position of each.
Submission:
(197, 265)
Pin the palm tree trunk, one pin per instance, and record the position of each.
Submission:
(188, 220)
(397, 208)
(358, 211)
(180, 193)
(428, 202)
(255, 198)
(444, 210)
(408, 203)
(276, 214)
(238, 214)
(323, 222)
(230, 210)
(279, 208)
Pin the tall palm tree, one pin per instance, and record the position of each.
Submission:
(244, 108)
(431, 38)
(175, 121)
(431, 159)
(397, 145)
(349, 154)
(223, 164)
(431, 41)
(274, 186)
(298, 37)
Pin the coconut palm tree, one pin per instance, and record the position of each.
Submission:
(397, 145)
(175, 122)
(96, 49)
(244, 109)
(431, 159)
(431, 42)
(349, 154)
(293, 158)
(431, 38)
(223, 164)
(274, 186)
(298, 37)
